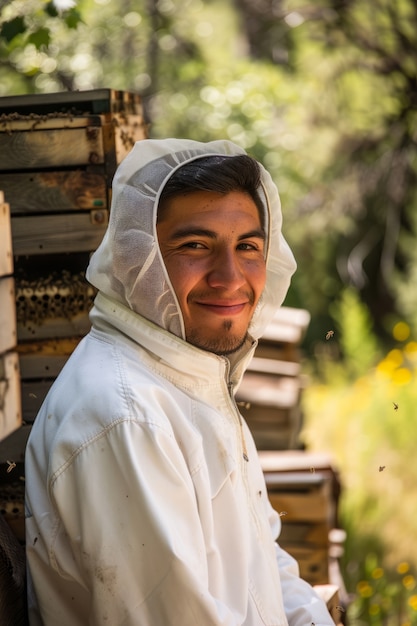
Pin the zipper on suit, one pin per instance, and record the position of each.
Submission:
(240, 421)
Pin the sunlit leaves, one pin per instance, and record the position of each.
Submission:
(9, 30)
(40, 37)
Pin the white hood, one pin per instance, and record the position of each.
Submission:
(128, 265)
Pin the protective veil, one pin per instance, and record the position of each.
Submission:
(128, 265)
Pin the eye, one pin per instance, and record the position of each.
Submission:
(193, 245)
(248, 246)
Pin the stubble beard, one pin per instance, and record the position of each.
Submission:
(224, 344)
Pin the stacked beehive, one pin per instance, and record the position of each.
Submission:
(270, 393)
(58, 156)
(304, 489)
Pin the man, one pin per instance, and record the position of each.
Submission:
(146, 504)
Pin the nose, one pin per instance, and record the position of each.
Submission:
(226, 271)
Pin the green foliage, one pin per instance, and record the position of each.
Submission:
(368, 425)
(323, 93)
(355, 333)
(384, 598)
(9, 30)
(28, 33)
(40, 38)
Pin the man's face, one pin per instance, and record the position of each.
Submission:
(213, 249)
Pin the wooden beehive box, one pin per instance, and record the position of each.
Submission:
(10, 408)
(304, 489)
(58, 156)
(270, 393)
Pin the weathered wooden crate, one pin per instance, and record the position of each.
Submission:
(270, 392)
(283, 336)
(270, 404)
(83, 128)
(58, 156)
(304, 489)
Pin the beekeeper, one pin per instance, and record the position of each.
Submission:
(145, 500)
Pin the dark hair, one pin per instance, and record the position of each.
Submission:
(221, 174)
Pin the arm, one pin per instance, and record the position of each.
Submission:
(129, 509)
(302, 605)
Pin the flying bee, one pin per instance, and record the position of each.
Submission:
(10, 466)
(395, 406)
(283, 513)
(381, 468)
(329, 334)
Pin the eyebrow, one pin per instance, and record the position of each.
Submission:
(181, 233)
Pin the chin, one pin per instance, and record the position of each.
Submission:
(222, 346)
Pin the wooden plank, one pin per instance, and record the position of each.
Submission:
(119, 137)
(41, 366)
(128, 130)
(71, 232)
(267, 417)
(273, 428)
(311, 507)
(51, 121)
(280, 438)
(295, 461)
(288, 325)
(8, 336)
(295, 481)
(303, 533)
(278, 350)
(6, 255)
(54, 328)
(56, 191)
(296, 469)
(48, 347)
(271, 366)
(51, 148)
(330, 594)
(95, 101)
(10, 402)
(313, 564)
(269, 390)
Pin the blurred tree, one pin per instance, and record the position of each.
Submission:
(370, 189)
(267, 31)
(27, 34)
(323, 93)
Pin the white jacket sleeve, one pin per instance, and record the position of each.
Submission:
(302, 605)
(133, 524)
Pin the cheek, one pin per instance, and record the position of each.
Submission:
(256, 274)
(184, 274)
